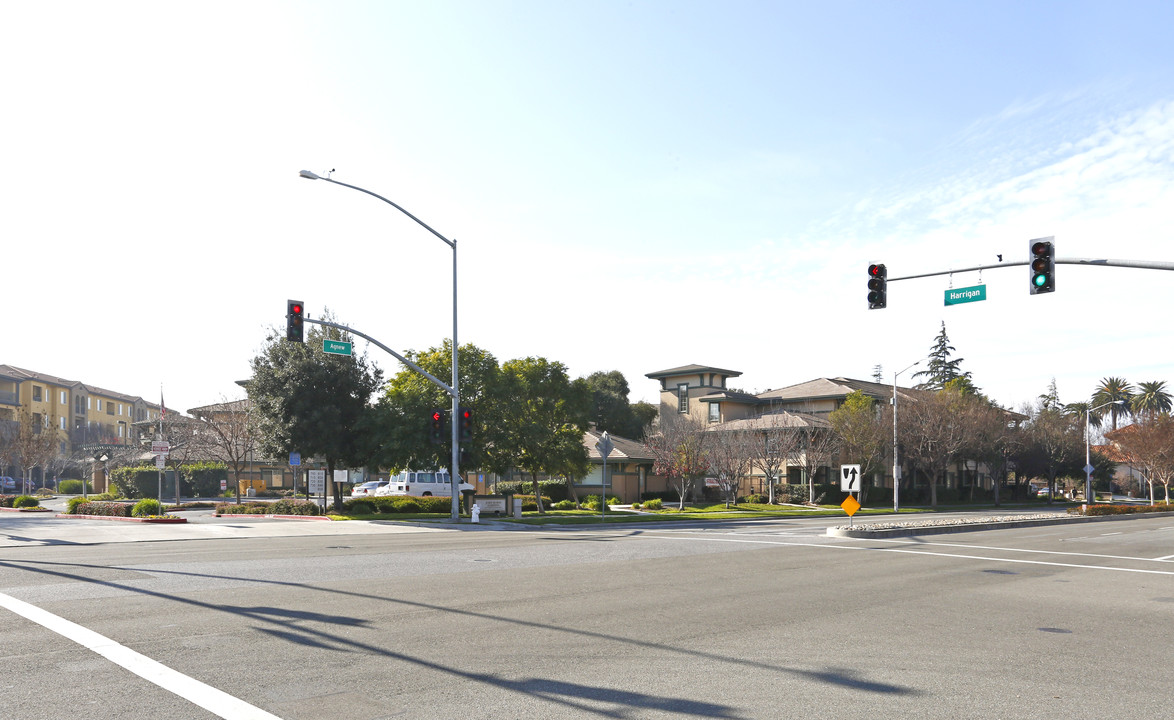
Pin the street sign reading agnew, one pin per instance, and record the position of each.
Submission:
(957, 296)
(336, 347)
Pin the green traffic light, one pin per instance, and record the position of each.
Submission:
(1040, 280)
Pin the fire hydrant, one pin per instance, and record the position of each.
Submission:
(476, 513)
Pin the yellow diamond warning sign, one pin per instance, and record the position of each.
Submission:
(850, 506)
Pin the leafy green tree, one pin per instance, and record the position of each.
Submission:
(610, 409)
(1109, 393)
(549, 414)
(313, 402)
(402, 414)
(941, 369)
(862, 434)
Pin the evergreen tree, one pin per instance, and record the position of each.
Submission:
(941, 369)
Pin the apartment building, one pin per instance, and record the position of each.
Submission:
(81, 414)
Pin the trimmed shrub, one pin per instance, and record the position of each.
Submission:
(359, 507)
(72, 487)
(202, 479)
(71, 505)
(293, 506)
(554, 489)
(25, 501)
(404, 505)
(147, 507)
(104, 509)
(564, 505)
(653, 504)
(1122, 509)
(755, 499)
(249, 508)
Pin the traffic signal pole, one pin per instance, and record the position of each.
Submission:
(454, 389)
(1098, 262)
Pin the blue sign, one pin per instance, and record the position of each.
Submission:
(295, 458)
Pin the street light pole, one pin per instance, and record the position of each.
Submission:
(455, 478)
(896, 460)
(1088, 454)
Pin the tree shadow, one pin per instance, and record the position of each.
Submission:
(275, 622)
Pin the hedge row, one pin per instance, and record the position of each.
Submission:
(554, 489)
(393, 504)
(18, 501)
(105, 509)
(284, 506)
(1122, 509)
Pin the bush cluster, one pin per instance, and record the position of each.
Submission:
(72, 487)
(25, 501)
(397, 504)
(653, 504)
(7, 500)
(285, 506)
(294, 506)
(147, 507)
(564, 505)
(1122, 509)
(755, 499)
(553, 489)
(103, 508)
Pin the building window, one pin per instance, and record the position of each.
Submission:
(62, 422)
(683, 397)
(36, 393)
(88, 404)
(109, 407)
(715, 412)
(120, 409)
(64, 401)
(99, 408)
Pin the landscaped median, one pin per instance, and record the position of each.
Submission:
(147, 510)
(1091, 513)
(21, 503)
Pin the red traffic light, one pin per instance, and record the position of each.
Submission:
(877, 270)
(435, 416)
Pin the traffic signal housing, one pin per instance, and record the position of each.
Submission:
(295, 321)
(878, 286)
(436, 426)
(1042, 263)
(466, 424)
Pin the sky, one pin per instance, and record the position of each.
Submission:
(631, 186)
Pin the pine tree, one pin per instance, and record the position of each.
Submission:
(941, 369)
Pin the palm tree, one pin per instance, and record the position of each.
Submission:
(1151, 399)
(1111, 390)
(1078, 409)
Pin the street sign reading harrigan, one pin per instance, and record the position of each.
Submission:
(957, 296)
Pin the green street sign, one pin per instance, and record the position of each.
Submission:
(957, 296)
(337, 347)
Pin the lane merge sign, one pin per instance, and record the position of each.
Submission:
(850, 478)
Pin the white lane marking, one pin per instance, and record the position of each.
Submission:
(1168, 557)
(915, 552)
(214, 701)
(1022, 550)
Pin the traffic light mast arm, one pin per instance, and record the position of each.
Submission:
(1143, 264)
(439, 383)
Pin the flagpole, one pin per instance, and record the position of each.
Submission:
(162, 412)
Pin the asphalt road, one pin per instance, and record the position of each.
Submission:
(763, 619)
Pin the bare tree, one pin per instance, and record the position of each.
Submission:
(731, 457)
(679, 452)
(230, 434)
(816, 444)
(33, 444)
(934, 432)
(772, 439)
(1149, 446)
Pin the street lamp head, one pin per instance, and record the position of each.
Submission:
(309, 175)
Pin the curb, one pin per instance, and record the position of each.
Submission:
(25, 509)
(863, 531)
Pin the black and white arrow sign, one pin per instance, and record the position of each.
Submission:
(849, 478)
